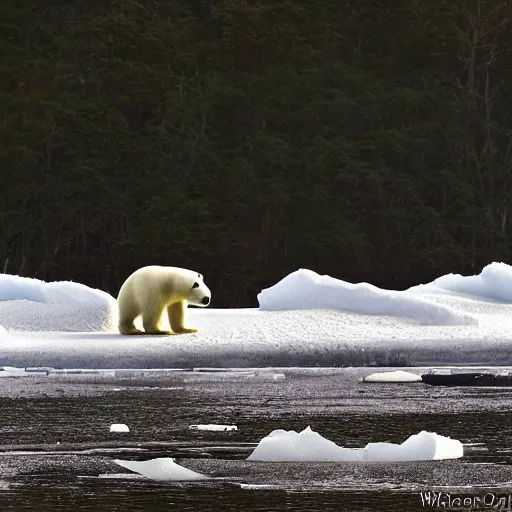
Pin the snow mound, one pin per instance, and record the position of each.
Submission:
(305, 289)
(494, 283)
(160, 469)
(396, 376)
(28, 304)
(309, 446)
(214, 428)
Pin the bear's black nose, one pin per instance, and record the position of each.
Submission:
(205, 301)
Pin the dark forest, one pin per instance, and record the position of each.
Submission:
(367, 140)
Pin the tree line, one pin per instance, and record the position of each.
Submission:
(367, 140)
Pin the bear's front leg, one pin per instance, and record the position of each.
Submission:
(176, 314)
(151, 317)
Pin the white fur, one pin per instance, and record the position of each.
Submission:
(151, 291)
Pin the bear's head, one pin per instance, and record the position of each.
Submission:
(199, 294)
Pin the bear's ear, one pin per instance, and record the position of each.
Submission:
(195, 285)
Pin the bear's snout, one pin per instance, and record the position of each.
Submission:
(205, 300)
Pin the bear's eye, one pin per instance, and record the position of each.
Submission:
(195, 285)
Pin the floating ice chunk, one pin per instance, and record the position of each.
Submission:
(163, 468)
(305, 289)
(256, 486)
(282, 445)
(422, 446)
(119, 427)
(214, 428)
(34, 305)
(396, 376)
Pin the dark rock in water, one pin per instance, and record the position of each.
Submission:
(467, 379)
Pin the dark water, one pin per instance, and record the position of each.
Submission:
(56, 452)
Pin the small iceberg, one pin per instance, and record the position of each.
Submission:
(163, 468)
(309, 446)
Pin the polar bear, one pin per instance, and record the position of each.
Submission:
(150, 291)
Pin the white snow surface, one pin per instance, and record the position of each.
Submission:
(309, 446)
(305, 319)
(28, 304)
(396, 376)
(163, 468)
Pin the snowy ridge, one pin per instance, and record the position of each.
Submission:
(493, 283)
(305, 289)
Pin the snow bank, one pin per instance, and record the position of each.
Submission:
(32, 305)
(305, 289)
(160, 469)
(393, 377)
(282, 445)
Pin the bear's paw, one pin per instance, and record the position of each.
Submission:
(185, 330)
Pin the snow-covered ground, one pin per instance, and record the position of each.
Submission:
(305, 319)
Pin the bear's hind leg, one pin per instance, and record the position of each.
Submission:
(176, 314)
(128, 328)
(151, 317)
